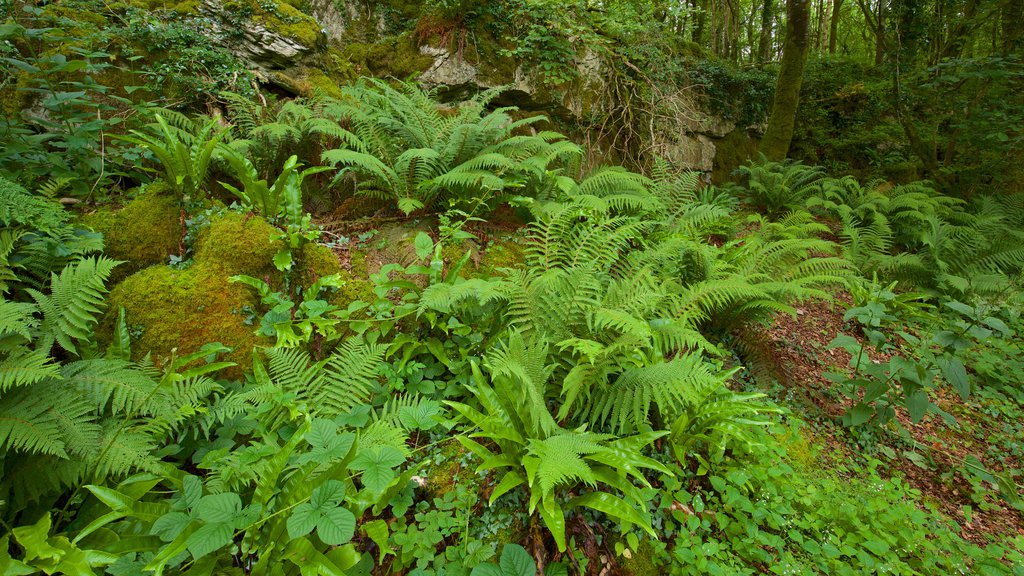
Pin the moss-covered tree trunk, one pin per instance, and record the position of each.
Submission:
(1013, 26)
(777, 138)
(833, 32)
(764, 46)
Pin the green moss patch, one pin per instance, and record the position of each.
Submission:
(238, 244)
(173, 312)
(146, 231)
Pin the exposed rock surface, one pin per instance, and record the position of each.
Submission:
(258, 41)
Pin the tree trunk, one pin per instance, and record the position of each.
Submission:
(702, 18)
(765, 43)
(833, 30)
(1013, 26)
(779, 134)
(953, 45)
(880, 34)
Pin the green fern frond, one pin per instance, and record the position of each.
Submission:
(76, 297)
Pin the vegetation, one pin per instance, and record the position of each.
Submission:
(264, 313)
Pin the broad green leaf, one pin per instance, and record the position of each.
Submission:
(219, 507)
(956, 374)
(169, 526)
(516, 561)
(209, 538)
(336, 526)
(377, 464)
(191, 491)
(283, 259)
(424, 245)
(10, 566)
(302, 520)
(34, 539)
(858, 415)
(378, 531)
(328, 496)
(917, 405)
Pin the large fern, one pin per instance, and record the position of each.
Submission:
(404, 147)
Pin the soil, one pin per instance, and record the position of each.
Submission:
(799, 351)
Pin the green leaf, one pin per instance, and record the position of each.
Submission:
(486, 569)
(516, 561)
(377, 464)
(302, 520)
(9, 566)
(917, 405)
(191, 491)
(170, 525)
(613, 506)
(219, 507)
(409, 205)
(283, 259)
(424, 245)
(209, 538)
(858, 415)
(336, 526)
(328, 496)
(34, 539)
(956, 374)
(377, 530)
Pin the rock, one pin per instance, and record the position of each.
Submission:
(450, 72)
(274, 37)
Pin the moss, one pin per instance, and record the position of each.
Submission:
(398, 56)
(318, 261)
(146, 231)
(238, 244)
(641, 562)
(16, 98)
(318, 81)
(178, 311)
(306, 82)
(445, 474)
(291, 22)
(501, 254)
(731, 152)
(187, 7)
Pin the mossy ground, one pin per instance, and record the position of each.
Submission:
(146, 231)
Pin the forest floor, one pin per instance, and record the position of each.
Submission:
(930, 455)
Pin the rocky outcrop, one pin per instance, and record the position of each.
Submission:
(270, 39)
(284, 44)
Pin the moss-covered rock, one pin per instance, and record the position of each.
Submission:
(731, 152)
(398, 56)
(178, 311)
(501, 254)
(146, 231)
(238, 244)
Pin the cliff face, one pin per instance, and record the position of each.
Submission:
(297, 47)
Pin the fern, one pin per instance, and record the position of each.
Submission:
(76, 297)
(403, 147)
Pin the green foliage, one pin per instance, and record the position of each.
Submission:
(60, 142)
(533, 450)
(273, 201)
(185, 158)
(405, 148)
(778, 187)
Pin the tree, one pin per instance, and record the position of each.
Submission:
(779, 134)
(765, 43)
(837, 7)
